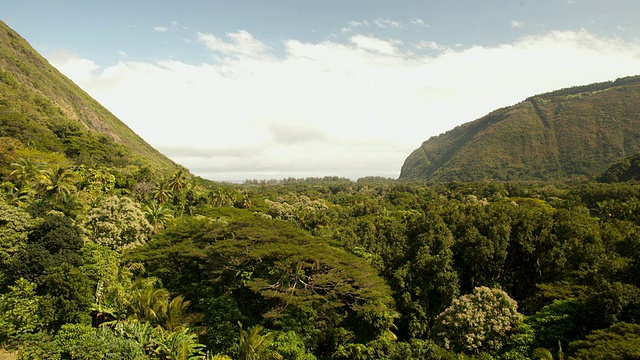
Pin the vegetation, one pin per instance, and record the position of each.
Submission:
(627, 169)
(40, 108)
(111, 258)
(569, 133)
(317, 268)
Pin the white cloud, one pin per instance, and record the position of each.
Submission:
(516, 24)
(162, 29)
(387, 47)
(121, 53)
(418, 22)
(387, 23)
(78, 69)
(350, 109)
(355, 24)
(240, 43)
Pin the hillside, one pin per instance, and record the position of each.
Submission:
(627, 169)
(43, 109)
(574, 132)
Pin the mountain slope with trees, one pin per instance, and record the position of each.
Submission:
(574, 132)
(43, 109)
(627, 169)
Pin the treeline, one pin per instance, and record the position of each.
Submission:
(128, 263)
(574, 90)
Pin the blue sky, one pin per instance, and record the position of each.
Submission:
(271, 89)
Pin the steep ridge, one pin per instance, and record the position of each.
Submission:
(574, 132)
(43, 109)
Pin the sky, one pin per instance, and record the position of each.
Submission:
(237, 90)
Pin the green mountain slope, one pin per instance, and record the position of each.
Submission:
(578, 131)
(43, 109)
(627, 169)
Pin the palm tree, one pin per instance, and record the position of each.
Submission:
(162, 192)
(158, 215)
(545, 354)
(60, 181)
(220, 198)
(176, 317)
(178, 182)
(148, 303)
(254, 346)
(245, 202)
(179, 345)
(152, 305)
(542, 354)
(27, 173)
(14, 196)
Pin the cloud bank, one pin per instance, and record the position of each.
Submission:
(351, 107)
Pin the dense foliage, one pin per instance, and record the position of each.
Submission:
(627, 169)
(104, 262)
(574, 132)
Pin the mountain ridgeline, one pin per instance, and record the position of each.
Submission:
(569, 133)
(42, 109)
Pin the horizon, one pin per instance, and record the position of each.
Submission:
(273, 91)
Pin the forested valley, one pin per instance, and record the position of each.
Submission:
(110, 250)
(132, 263)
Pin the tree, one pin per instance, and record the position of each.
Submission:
(147, 302)
(618, 342)
(276, 272)
(27, 172)
(291, 346)
(82, 342)
(118, 223)
(557, 323)
(478, 322)
(219, 198)
(178, 182)
(16, 197)
(254, 346)
(21, 311)
(158, 215)
(152, 305)
(69, 294)
(14, 227)
(427, 283)
(55, 240)
(58, 182)
(162, 193)
(178, 345)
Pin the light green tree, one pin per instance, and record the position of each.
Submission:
(20, 311)
(478, 322)
(118, 223)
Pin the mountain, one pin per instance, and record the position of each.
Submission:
(627, 169)
(573, 132)
(42, 109)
